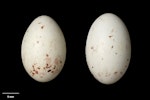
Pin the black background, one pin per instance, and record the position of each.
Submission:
(75, 19)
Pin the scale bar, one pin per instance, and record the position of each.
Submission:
(10, 93)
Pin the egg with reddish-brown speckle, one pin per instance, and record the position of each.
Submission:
(43, 49)
(108, 48)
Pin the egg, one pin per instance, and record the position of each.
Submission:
(108, 49)
(43, 49)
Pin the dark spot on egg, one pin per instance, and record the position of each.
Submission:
(116, 53)
(33, 66)
(54, 66)
(47, 55)
(127, 47)
(127, 59)
(107, 74)
(46, 65)
(37, 42)
(36, 72)
(52, 71)
(57, 61)
(41, 76)
(112, 46)
(48, 61)
(42, 26)
(44, 68)
(92, 67)
(60, 61)
(48, 70)
(115, 73)
(92, 47)
(121, 73)
(38, 68)
(33, 74)
(110, 36)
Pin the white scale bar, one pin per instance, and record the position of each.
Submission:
(10, 93)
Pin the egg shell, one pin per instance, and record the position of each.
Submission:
(108, 48)
(43, 49)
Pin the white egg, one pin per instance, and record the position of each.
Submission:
(108, 48)
(43, 49)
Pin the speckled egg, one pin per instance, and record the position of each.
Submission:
(43, 49)
(108, 48)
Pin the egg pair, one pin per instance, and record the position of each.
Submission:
(107, 50)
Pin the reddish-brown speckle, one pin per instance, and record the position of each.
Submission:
(127, 59)
(121, 72)
(48, 70)
(38, 68)
(110, 36)
(92, 47)
(60, 61)
(42, 27)
(47, 55)
(115, 73)
(52, 72)
(107, 74)
(44, 68)
(99, 74)
(54, 66)
(32, 73)
(47, 66)
(33, 67)
(48, 60)
(57, 61)
(36, 71)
